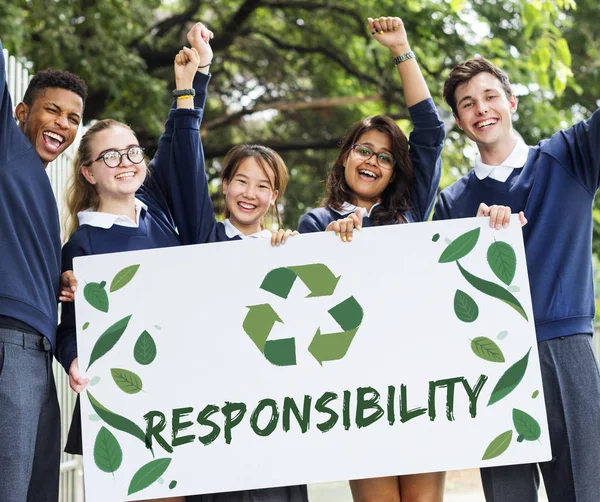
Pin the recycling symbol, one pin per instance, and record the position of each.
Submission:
(317, 277)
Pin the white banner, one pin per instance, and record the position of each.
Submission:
(232, 366)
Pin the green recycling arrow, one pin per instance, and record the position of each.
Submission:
(317, 277)
(333, 346)
(321, 281)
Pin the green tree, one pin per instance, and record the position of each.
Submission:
(295, 74)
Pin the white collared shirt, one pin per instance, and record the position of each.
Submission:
(232, 231)
(516, 160)
(107, 220)
(351, 208)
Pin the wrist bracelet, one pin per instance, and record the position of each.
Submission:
(403, 57)
(206, 65)
(185, 96)
(184, 92)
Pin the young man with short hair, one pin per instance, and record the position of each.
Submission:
(48, 119)
(554, 183)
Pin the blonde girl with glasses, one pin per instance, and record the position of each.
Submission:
(381, 178)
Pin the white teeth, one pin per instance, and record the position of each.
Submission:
(485, 123)
(125, 175)
(246, 206)
(368, 173)
(55, 136)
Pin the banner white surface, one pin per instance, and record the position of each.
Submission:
(410, 349)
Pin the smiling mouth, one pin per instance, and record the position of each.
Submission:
(52, 140)
(127, 175)
(367, 175)
(246, 206)
(485, 123)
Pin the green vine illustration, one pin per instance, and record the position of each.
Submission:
(108, 454)
(502, 260)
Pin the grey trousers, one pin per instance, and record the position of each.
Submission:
(29, 419)
(571, 380)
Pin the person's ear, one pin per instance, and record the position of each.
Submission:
(513, 102)
(22, 112)
(274, 197)
(88, 175)
(458, 121)
(224, 186)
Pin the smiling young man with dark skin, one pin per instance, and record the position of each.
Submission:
(30, 252)
(554, 183)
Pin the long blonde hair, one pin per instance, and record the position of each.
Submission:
(266, 159)
(80, 193)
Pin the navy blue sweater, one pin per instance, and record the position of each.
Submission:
(178, 148)
(29, 228)
(556, 190)
(425, 147)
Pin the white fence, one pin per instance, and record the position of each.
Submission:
(71, 478)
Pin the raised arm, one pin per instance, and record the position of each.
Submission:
(178, 166)
(427, 138)
(10, 136)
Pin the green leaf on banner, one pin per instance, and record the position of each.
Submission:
(172, 484)
(535, 394)
(498, 446)
(127, 381)
(144, 350)
(108, 340)
(510, 379)
(94, 381)
(526, 426)
(123, 277)
(148, 474)
(107, 451)
(503, 261)
(487, 349)
(465, 307)
(85, 326)
(96, 296)
(460, 247)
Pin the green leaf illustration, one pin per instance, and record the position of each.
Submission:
(535, 394)
(503, 261)
(94, 418)
(172, 484)
(94, 381)
(465, 307)
(487, 349)
(96, 296)
(498, 446)
(502, 335)
(526, 426)
(107, 451)
(493, 290)
(85, 326)
(510, 379)
(108, 339)
(127, 381)
(514, 289)
(123, 277)
(435, 238)
(116, 421)
(460, 247)
(148, 474)
(144, 350)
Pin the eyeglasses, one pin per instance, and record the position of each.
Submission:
(113, 158)
(363, 152)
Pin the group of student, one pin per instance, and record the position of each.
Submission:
(118, 203)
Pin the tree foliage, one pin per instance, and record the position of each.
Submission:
(295, 74)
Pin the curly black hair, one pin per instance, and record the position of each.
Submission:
(46, 79)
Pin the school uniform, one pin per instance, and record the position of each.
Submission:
(554, 183)
(425, 144)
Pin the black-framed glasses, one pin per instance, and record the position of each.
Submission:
(363, 152)
(113, 158)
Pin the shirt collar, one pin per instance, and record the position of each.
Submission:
(232, 232)
(106, 220)
(515, 160)
(348, 208)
